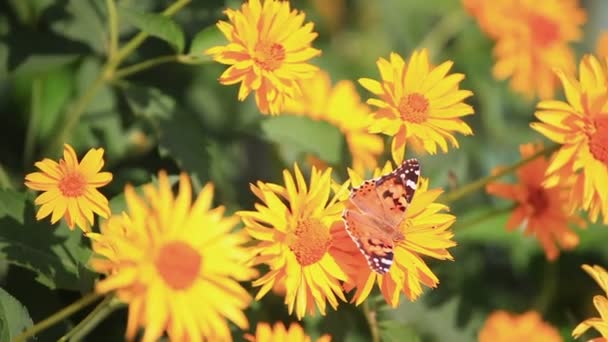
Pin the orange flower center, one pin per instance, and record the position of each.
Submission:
(414, 108)
(598, 141)
(545, 31)
(310, 241)
(72, 184)
(537, 198)
(269, 56)
(178, 264)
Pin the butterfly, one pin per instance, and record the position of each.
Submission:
(375, 210)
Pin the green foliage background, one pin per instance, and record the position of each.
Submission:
(176, 116)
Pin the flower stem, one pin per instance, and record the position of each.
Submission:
(58, 316)
(107, 74)
(101, 311)
(147, 64)
(476, 185)
(488, 215)
(449, 26)
(112, 27)
(370, 315)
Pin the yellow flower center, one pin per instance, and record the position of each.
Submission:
(72, 184)
(178, 264)
(269, 56)
(310, 241)
(414, 108)
(598, 141)
(545, 31)
(537, 199)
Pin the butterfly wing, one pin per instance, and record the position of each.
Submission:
(365, 199)
(396, 190)
(375, 244)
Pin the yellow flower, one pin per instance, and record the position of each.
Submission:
(175, 263)
(426, 233)
(418, 103)
(581, 126)
(532, 38)
(70, 188)
(543, 212)
(267, 52)
(265, 333)
(600, 324)
(340, 106)
(502, 326)
(295, 225)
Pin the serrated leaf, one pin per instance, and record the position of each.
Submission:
(297, 135)
(156, 25)
(14, 317)
(54, 253)
(208, 37)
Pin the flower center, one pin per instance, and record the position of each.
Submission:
(414, 108)
(72, 184)
(544, 30)
(310, 241)
(269, 56)
(598, 140)
(178, 264)
(537, 198)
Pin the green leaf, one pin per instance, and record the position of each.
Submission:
(56, 88)
(149, 102)
(156, 25)
(397, 331)
(53, 253)
(208, 37)
(14, 317)
(297, 135)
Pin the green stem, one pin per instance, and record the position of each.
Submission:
(370, 316)
(147, 64)
(106, 74)
(490, 214)
(444, 30)
(549, 288)
(112, 28)
(58, 316)
(32, 126)
(101, 311)
(474, 186)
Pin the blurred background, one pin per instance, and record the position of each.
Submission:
(178, 117)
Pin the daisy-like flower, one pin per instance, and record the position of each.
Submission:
(502, 326)
(600, 324)
(581, 126)
(426, 233)
(265, 333)
(176, 263)
(532, 38)
(267, 52)
(418, 103)
(296, 226)
(340, 106)
(70, 188)
(543, 212)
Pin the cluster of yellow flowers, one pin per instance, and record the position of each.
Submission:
(166, 254)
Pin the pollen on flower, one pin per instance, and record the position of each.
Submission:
(178, 264)
(537, 198)
(72, 184)
(310, 241)
(414, 108)
(269, 56)
(598, 140)
(544, 30)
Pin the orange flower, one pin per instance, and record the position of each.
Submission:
(70, 188)
(581, 126)
(340, 106)
(599, 274)
(532, 38)
(544, 213)
(278, 333)
(502, 326)
(418, 103)
(267, 52)
(602, 45)
(426, 233)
